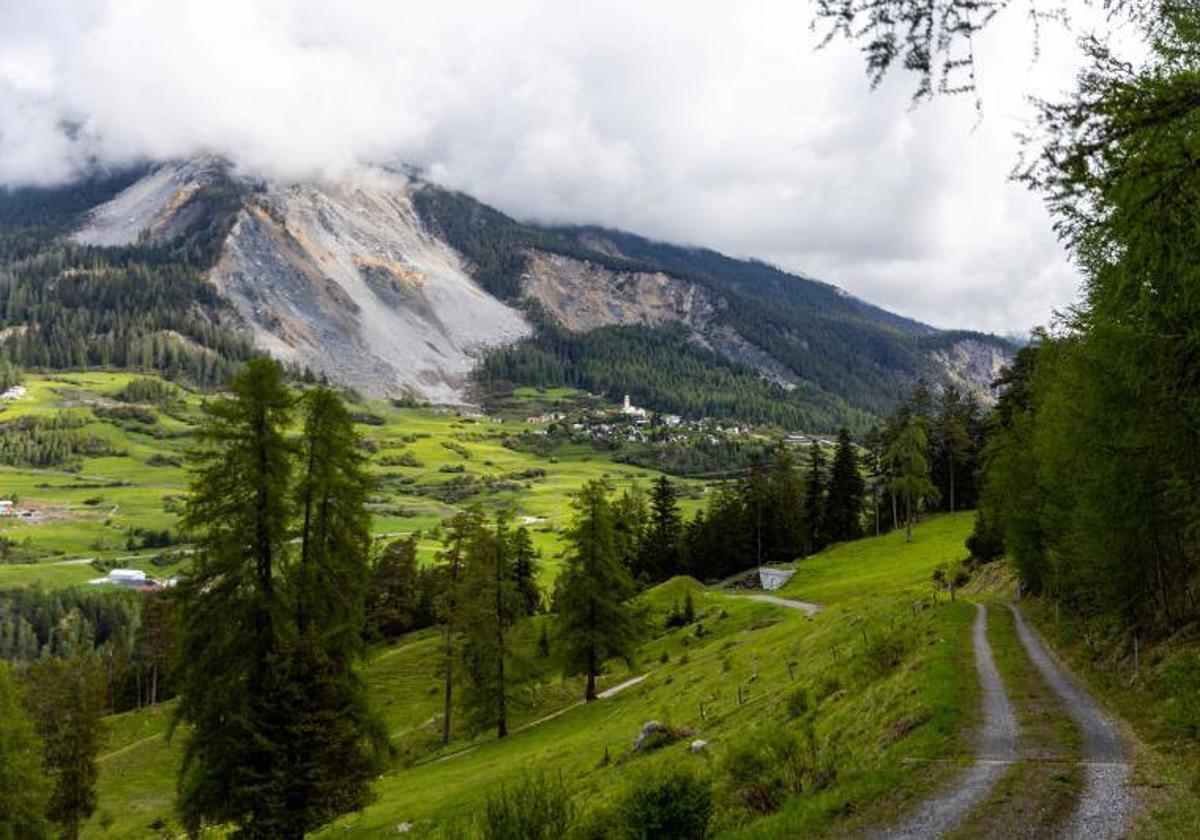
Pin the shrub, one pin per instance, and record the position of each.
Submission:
(535, 807)
(772, 763)
(798, 704)
(673, 804)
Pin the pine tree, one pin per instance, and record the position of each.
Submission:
(595, 620)
(631, 522)
(65, 698)
(843, 504)
(24, 790)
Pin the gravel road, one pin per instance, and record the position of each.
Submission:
(782, 602)
(995, 749)
(1106, 804)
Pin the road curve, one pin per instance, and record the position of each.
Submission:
(995, 749)
(781, 602)
(1106, 804)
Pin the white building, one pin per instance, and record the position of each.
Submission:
(6, 507)
(631, 410)
(128, 577)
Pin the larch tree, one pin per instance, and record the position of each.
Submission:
(909, 455)
(234, 613)
(595, 619)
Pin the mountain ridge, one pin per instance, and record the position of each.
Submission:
(395, 286)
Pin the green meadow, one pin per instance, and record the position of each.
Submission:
(887, 677)
(428, 463)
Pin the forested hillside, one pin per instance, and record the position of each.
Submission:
(148, 307)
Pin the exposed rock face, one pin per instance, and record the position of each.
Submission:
(341, 278)
(346, 279)
(582, 295)
(972, 365)
(152, 207)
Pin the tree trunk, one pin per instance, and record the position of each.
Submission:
(908, 517)
(952, 480)
(449, 690)
(590, 694)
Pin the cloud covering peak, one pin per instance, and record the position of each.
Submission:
(695, 121)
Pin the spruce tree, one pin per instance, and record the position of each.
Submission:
(460, 531)
(393, 602)
(524, 569)
(785, 539)
(24, 789)
(844, 500)
(662, 552)
(595, 620)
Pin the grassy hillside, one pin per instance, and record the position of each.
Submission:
(428, 463)
(886, 676)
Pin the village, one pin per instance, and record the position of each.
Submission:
(631, 423)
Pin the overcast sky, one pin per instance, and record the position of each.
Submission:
(706, 123)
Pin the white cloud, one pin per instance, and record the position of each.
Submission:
(697, 121)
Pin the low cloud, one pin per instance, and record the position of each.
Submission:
(707, 123)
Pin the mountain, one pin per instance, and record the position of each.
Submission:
(395, 286)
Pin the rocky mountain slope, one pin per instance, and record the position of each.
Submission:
(397, 287)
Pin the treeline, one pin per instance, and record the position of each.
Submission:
(55, 440)
(1093, 471)
(664, 369)
(129, 635)
(143, 307)
(10, 373)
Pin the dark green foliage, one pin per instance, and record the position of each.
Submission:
(487, 605)
(10, 374)
(525, 563)
(842, 516)
(393, 604)
(672, 804)
(23, 787)
(662, 554)
(762, 519)
(64, 698)
(280, 739)
(662, 368)
(143, 307)
(595, 620)
(55, 440)
(151, 391)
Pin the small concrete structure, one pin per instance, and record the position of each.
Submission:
(128, 577)
(6, 507)
(773, 579)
